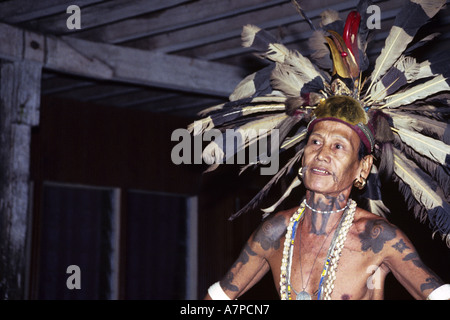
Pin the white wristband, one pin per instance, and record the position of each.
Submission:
(441, 293)
(216, 292)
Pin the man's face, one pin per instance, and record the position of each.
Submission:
(330, 159)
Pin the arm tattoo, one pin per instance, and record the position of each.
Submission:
(415, 259)
(244, 256)
(375, 235)
(400, 246)
(270, 232)
(225, 283)
(433, 281)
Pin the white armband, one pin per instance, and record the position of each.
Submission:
(216, 292)
(441, 293)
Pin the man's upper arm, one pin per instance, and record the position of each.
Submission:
(406, 265)
(252, 263)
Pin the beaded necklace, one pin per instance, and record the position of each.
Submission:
(325, 212)
(326, 284)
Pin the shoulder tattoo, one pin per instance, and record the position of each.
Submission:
(269, 233)
(376, 234)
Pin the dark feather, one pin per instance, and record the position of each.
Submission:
(384, 139)
(434, 149)
(371, 198)
(421, 42)
(303, 14)
(332, 21)
(257, 38)
(320, 53)
(363, 34)
(433, 128)
(439, 217)
(436, 63)
(440, 174)
(256, 84)
(420, 91)
(293, 141)
(427, 110)
(237, 110)
(411, 17)
(417, 186)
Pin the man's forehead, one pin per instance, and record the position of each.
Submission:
(334, 128)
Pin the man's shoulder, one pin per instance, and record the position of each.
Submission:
(374, 231)
(281, 216)
(364, 218)
(271, 230)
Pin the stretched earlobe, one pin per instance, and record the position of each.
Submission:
(360, 183)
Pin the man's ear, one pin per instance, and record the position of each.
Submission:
(366, 166)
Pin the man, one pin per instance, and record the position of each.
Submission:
(333, 249)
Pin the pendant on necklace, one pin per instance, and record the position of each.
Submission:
(303, 295)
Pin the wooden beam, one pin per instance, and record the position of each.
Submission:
(296, 34)
(117, 63)
(211, 31)
(197, 35)
(19, 111)
(22, 10)
(102, 13)
(179, 17)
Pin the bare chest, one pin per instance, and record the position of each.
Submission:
(357, 273)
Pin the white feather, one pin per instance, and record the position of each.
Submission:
(433, 149)
(396, 43)
(320, 50)
(286, 80)
(248, 35)
(398, 39)
(421, 91)
(421, 187)
(232, 141)
(329, 16)
(245, 88)
(410, 70)
(302, 66)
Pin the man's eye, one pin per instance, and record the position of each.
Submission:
(339, 146)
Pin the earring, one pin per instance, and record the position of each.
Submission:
(300, 172)
(360, 183)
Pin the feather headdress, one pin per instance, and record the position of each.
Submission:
(405, 119)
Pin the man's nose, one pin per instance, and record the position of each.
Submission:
(323, 154)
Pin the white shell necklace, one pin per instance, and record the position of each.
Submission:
(330, 266)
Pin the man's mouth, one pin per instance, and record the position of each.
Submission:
(320, 171)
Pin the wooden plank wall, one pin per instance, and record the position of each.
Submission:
(97, 145)
(81, 143)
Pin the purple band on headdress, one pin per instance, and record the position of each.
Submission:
(364, 131)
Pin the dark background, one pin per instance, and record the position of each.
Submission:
(90, 145)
